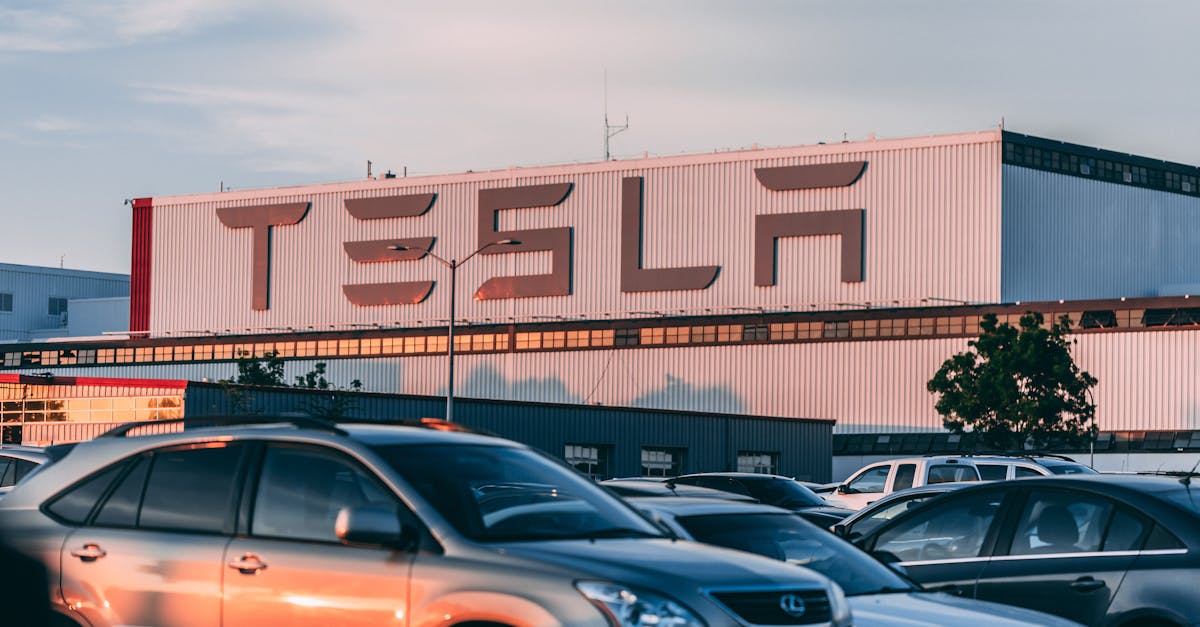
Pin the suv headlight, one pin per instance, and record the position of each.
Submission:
(839, 607)
(630, 607)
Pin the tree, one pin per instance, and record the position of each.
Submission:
(252, 370)
(1017, 388)
(268, 371)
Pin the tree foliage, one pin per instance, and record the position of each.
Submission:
(1017, 388)
(268, 370)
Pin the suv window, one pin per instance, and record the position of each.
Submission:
(192, 488)
(947, 530)
(302, 489)
(8, 472)
(992, 472)
(905, 473)
(74, 504)
(121, 508)
(24, 467)
(950, 473)
(1022, 471)
(872, 481)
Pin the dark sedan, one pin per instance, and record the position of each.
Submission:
(861, 523)
(776, 490)
(1100, 550)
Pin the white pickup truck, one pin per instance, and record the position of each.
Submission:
(874, 481)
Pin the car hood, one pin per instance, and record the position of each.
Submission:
(937, 608)
(653, 563)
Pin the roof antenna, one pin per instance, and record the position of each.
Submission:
(610, 130)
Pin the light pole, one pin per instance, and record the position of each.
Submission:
(453, 264)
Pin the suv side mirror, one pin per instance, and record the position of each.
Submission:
(373, 525)
(845, 489)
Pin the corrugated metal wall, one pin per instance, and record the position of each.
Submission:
(32, 287)
(1147, 379)
(932, 218)
(712, 442)
(1071, 238)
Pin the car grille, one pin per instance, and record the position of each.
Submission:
(768, 608)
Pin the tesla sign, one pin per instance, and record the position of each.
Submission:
(263, 220)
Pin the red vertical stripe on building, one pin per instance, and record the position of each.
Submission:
(139, 280)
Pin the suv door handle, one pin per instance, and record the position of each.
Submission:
(248, 564)
(90, 552)
(1087, 584)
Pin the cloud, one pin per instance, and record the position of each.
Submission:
(60, 26)
(53, 124)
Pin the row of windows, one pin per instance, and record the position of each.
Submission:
(595, 461)
(101, 409)
(1088, 164)
(54, 306)
(658, 335)
(932, 443)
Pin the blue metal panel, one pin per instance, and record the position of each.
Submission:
(712, 441)
(31, 288)
(1071, 238)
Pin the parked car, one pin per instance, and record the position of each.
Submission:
(1098, 549)
(309, 523)
(864, 520)
(656, 487)
(999, 467)
(877, 594)
(774, 490)
(874, 481)
(17, 462)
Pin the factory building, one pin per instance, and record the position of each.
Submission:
(815, 283)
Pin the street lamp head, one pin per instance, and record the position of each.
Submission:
(508, 242)
(399, 247)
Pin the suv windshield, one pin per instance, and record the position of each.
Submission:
(787, 537)
(504, 494)
(1069, 469)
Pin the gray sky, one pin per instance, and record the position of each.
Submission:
(105, 100)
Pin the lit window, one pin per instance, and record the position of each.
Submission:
(483, 342)
(414, 344)
(554, 339)
(528, 341)
(652, 336)
(202, 352)
(678, 335)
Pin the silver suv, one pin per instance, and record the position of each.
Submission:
(998, 467)
(314, 524)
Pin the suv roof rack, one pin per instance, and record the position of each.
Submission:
(1024, 454)
(299, 420)
(302, 421)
